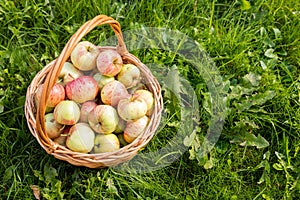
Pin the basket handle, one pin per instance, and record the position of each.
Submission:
(63, 57)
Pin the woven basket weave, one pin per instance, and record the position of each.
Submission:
(48, 76)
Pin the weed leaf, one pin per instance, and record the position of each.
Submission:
(8, 173)
(263, 65)
(111, 186)
(256, 99)
(238, 91)
(270, 53)
(50, 174)
(1, 108)
(277, 166)
(252, 79)
(57, 187)
(249, 139)
(245, 5)
(188, 140)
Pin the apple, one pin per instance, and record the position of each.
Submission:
(82, 89)
(147, 96)
(103, 119)
(85, 109)
(61, 139)
(67, 112)
(81, 138)
(106, 143)
(84, 56)
(109, 62)
(132, 108)
(129, 75)
(121, 126)
(69, 73)
(135, 128)
(122, 140)
(66, 130)
(113, 92)
(53, 128)
(57, 94)
(91, 72)
(139, 86)
(102, 80)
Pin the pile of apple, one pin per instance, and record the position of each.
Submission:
(98, 103)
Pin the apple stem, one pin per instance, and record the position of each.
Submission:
(133, 97)
(88, 48)
(71, 76)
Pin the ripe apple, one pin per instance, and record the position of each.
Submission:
(81, 138)
(53, 129)
(113, 92)
(69, 73)
(57, 94)
(132, 108)
(82, 89)
(84, 56)
(67, 112)
(147, 96)
(109, 62)
(85, 109)
(103, 119)
(106, 143)
(102, 80)
(135, 128)
(129, 75)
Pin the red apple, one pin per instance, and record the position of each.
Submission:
(109, 62)
(129, 75)
(106, 143)
(85, 109)
(69, 73)
(81, 138)
(67, 112)
(135, 128)
(53, 128)
(57, 94)
(132, 108)
(103, 119)
(82, 89)
(84, 56)
(113, 92)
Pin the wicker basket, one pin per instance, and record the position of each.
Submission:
(48, 76)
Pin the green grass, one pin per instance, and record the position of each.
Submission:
(263, 40)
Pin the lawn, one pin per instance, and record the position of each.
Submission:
(245, 90)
